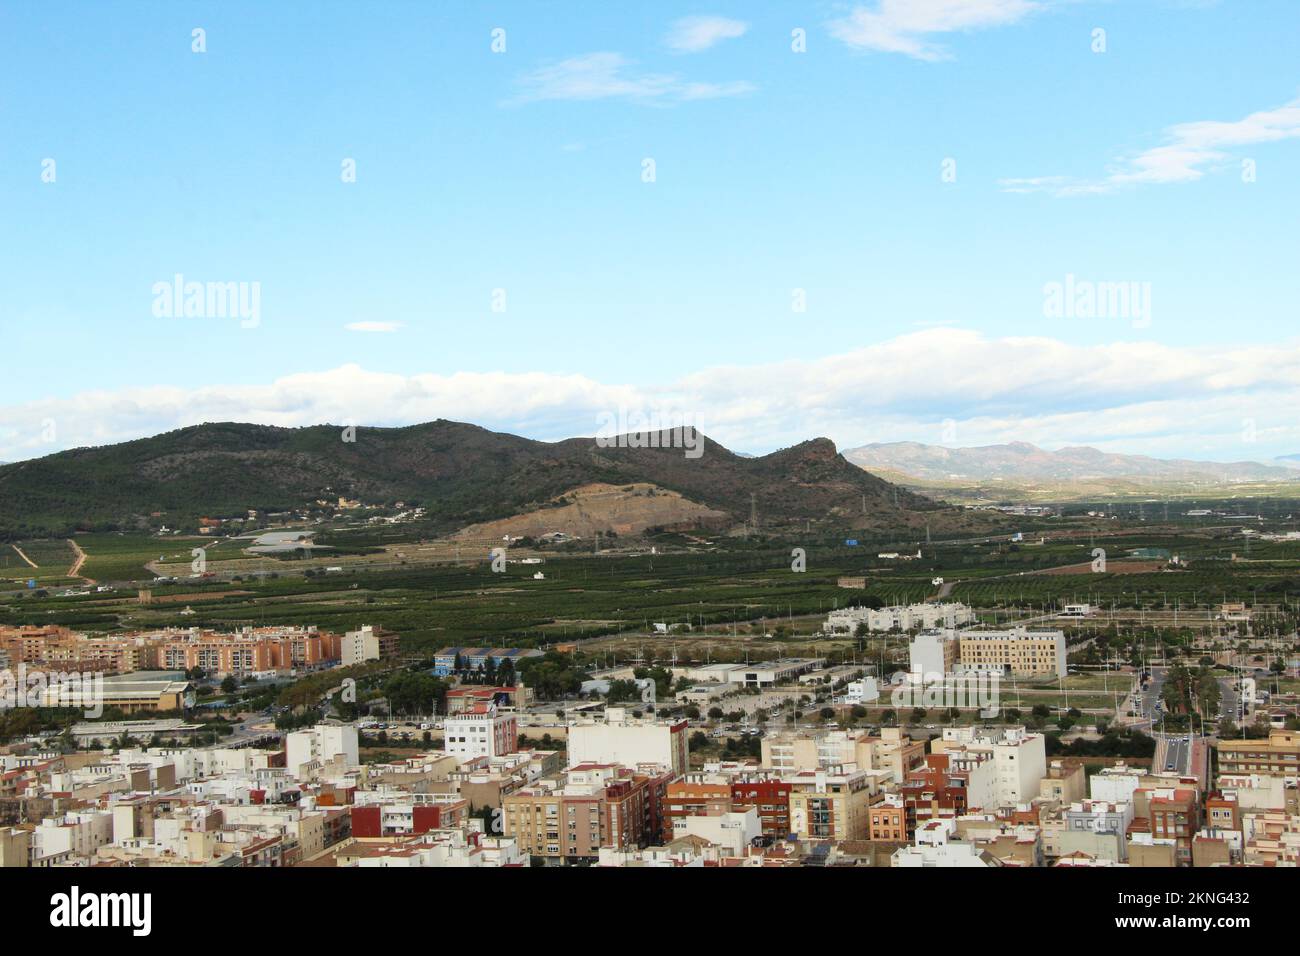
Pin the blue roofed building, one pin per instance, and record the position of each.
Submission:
(444, 662)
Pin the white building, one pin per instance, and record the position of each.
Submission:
(1114, 784)
(76, 833)
(932, 652)
(360, 646)
(480, 732)
(898, 617)
(733, 832)
(622, 739)
(321, 744)
(864, 691)
(1018, 759)
(445, 849)
(935, 847)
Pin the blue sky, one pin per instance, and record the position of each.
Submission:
(775, 171)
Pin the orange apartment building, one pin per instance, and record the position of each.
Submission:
(251, 650)
(888, 821)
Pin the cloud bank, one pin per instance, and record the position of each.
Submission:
(1141, 397)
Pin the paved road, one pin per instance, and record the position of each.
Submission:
(1230, 698)
(1178, 754)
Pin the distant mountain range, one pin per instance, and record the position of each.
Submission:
(1023, 462)
(459, 473)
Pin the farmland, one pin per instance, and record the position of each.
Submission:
(727, 588)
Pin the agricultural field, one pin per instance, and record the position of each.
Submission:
(122, 557)
(52, 557)
(725, 597)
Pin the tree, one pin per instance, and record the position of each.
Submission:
(415, 693)
(621, 691)
(230, 684)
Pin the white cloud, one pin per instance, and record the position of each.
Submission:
(906, 26)
(1139, 397)
(1188, 152)
(373, 326)
(600, 76)
(694, 34)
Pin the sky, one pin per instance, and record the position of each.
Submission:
(956, 222)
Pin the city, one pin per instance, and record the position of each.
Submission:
(592, 441)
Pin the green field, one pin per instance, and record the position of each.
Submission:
(122, 557)
(728, 587)
(53, 556)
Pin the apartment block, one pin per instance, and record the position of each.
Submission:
(833, 806)
(594, 806)
(903, 617)
(1278, 756)
(481, 732)
(619, 738)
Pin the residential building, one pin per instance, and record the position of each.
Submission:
(482, 731)
(321, 744)
(1278, 756)
(367, 643)
(619, 738)
(833, 806)
(935, 846)
(898, 617)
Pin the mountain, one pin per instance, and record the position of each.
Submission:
(1021, 461)
(461, 474)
